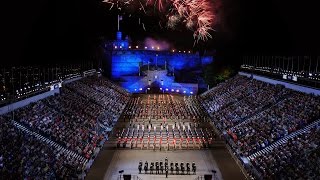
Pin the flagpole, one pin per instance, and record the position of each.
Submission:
(118, 23)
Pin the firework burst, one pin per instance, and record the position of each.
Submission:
(196, 15)
(119, 4)
(173, 21)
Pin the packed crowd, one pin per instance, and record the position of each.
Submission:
(278, 121)
(228, 93)
(262, 115)
(100, 90)
(263, 96)
(24, 157)
(112, 98)
(298, 158)
(62, 121)
(71, 118)
(78, 119)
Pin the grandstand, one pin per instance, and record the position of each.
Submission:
(267, 126)
(154, 89)
(93, 128)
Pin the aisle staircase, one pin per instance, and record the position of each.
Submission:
(51, 143)
(283, 140)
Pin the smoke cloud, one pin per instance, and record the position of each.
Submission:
(162, 44)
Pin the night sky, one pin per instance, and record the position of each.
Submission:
(42, 31)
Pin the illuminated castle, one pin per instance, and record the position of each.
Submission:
(142, 68)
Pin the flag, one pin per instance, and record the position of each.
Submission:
(119, 19)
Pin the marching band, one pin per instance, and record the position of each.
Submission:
(179, 125)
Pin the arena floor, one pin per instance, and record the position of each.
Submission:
(128, 161)
(111, 159)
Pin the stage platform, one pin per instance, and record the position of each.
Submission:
(128, 161)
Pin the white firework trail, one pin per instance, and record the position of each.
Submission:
(197, 15)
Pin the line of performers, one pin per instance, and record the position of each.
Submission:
(196, 137)
(161, 168)
(162, 107)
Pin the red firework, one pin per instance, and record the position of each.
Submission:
(198, 15)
